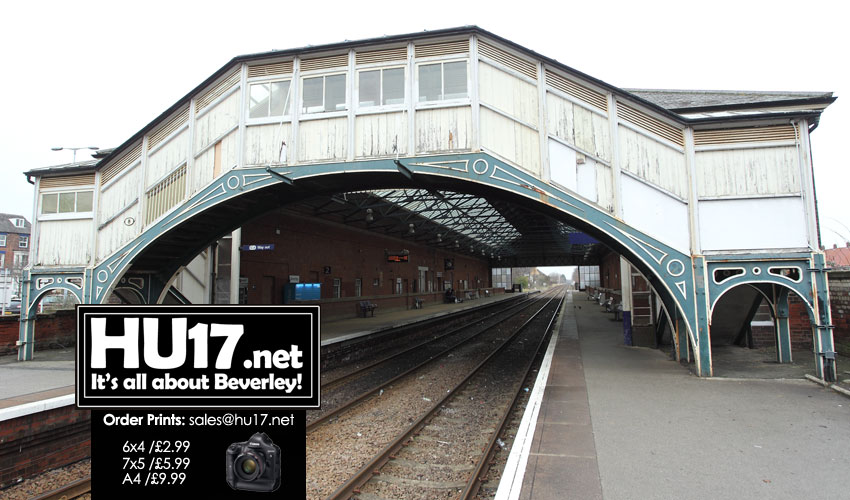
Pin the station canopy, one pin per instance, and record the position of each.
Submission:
(506, 233)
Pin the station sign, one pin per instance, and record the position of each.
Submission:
(254, 248)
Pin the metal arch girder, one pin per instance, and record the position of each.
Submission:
(756, 270)
(670, 266)
(811, 287)
(39, 283)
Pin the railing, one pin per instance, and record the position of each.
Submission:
(165, 194)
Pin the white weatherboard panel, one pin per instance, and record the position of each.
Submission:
(511, 140)
(752, 224)
(167, 158)
(217, 121)
(655, 213)
(562, 165)
(64, 242)
(380, 134)
(566, 171)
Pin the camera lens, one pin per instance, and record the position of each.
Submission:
(249, 466)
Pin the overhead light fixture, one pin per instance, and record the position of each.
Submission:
(369, 216)
(482, 253)
(410, 229)
(457, 244)
(439, 238)
(471, 249)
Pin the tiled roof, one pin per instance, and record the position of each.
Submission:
(679, 100)
(838, 257)
(6, 225)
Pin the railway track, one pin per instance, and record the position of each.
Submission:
(372, 376)
(74, 489)
(365, 437)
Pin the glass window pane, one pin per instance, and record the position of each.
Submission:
(369, 88)
(49, 203)
(429, 82)
(312, 95)
(259, 101)
(66, 202)
(84, 201)
(393, 86)
(279, 98)
(455, 80)
(335, 93)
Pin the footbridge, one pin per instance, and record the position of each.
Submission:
(465, 141)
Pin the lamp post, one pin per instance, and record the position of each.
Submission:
(60, 148)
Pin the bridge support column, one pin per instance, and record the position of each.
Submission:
(26, 336)
(682, 347)
(822, 322)
(702, 330)
(782, 325)
(626, 291)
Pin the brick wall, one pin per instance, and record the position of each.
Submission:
(839, 290)
(54, 330)
(42, 441)
(306, 247)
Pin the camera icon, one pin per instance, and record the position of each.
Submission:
(254, 465)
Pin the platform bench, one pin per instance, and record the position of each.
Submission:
(366, 306)
(417, 303)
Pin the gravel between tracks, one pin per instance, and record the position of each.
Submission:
(48, 481)
(339, 448)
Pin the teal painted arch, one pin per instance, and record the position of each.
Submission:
(761, 272)
(671, 271)
(43, 283)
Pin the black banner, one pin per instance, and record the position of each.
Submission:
(197, 357)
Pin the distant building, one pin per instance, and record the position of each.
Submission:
(838, 257)
(14, 253)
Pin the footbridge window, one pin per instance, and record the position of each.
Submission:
(269, 99)
(381, 87)
(71, 202)
(324, 94)
(442, 81)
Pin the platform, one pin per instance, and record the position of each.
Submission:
(619, 422)
(349, 328)
(51, 373)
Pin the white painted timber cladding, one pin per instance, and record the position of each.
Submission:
(746, 172)
(654, 162)
(120, 194)
(322, 139)
(379, 134)
(167, 158)
(752, 224)
(262, 143)
(578, 176)
(117, 234)
(511, 140)
(64, 242)
(202, 172)
(443, 129)
(217, 121)
(508, 93)
(656, 213)
(605, 186)
(578, 126)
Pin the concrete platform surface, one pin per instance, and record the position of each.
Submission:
(49, 372)
(659, 432)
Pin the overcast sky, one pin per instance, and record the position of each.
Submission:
(91, 73)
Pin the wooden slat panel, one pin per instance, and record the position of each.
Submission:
(387, 55)
(737, 135)
(166, 194)
(166, 130)
(328, 62)
(220, 88)
(651, 124)
(576, 90)
(527, 68)
(443, 49)
(116, 168)
(67, 181)
(280, 68)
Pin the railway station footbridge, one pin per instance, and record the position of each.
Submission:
(493, 147)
